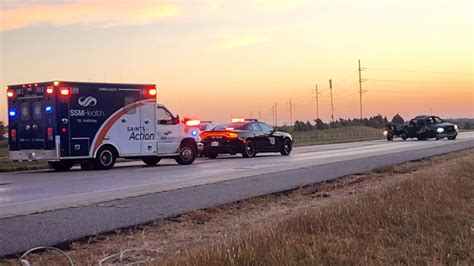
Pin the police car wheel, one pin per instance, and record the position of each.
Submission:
(187, 154)
(287, 147)
(61, 166)
(452, 138)
(212, 155)
(151, 161)
(249, 150)
(106, 158)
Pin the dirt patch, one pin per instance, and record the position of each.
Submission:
(200, 236)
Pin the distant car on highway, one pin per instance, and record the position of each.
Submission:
(245, 136)
(423, 127)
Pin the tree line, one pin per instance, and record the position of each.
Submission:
(377, 121)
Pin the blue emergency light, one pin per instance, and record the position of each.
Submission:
(12, 112)
(49, 109)
(194, 133)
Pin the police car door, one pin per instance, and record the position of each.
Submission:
(168, 131)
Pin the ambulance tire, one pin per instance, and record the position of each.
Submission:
(212, 155)
(106, 158)
(61, 165)
(151, 161)
(187, 153)
(88, 166)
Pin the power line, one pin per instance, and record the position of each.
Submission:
(422, 92)
(416, 81)
(420, 71)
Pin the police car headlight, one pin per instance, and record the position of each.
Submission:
(440, 130)
(385, 133)
(456, 127)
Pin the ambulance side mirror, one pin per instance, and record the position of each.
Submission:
(176, 120)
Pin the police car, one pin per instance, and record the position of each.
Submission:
(93, 124)
(245, 136)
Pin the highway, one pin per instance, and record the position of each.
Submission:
(36, 202)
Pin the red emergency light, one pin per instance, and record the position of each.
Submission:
(152, 92)
(50, 90)
(64, 91)
(10, 93)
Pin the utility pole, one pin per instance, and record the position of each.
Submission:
(290, 103)
(260, 115)
(273, 115)
(276, 115)
(360, 89)
(316, 97)
(332, 103)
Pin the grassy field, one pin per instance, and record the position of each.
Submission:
(337, 135)
(8, 166)
(425, 220)
(419, 212)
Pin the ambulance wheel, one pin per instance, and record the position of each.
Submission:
(187, 153)
(61, 165)
(106, 157)
(151, 161)
(212, 155)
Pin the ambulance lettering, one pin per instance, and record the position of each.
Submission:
(139, 133)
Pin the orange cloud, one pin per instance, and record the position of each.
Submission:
(104, 13)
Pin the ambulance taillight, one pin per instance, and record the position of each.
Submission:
(13, 135)
(50, 133)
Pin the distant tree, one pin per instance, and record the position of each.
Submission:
(2, 130)
(467, 125)
(309, 126)
(297, 127)
(320, 124)
(398, 119)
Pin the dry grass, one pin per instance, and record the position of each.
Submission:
(425, 220)
(418, 213)
(336, 135)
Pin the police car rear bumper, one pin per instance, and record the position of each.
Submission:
(33, 155)
(223, 147)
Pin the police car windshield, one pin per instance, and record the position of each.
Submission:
(235, 126)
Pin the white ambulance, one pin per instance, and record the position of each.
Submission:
(93, 124)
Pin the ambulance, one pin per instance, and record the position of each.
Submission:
(93, 124)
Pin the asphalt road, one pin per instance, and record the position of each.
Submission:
(132, 194)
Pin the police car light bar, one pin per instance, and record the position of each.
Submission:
(238, 120)
(193, 123)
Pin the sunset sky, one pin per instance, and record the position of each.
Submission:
(217, 59)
